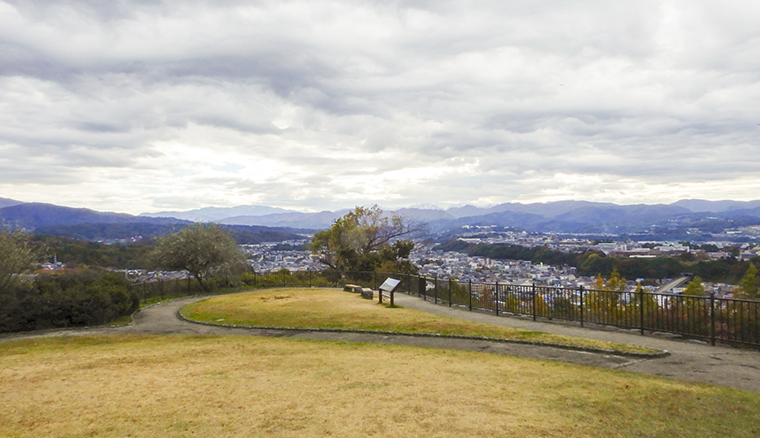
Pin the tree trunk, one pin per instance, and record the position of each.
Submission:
(204, 288)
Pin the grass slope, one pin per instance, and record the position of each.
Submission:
(183, 386)
(335, 309)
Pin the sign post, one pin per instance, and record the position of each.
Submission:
(389, 285)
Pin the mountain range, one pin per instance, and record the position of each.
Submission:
(688, 217)
(86, 224)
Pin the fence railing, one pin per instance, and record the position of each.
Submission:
(709, 318)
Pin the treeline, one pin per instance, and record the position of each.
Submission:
(77, 253)
(243, 234)
(76, 298)
(590, 263)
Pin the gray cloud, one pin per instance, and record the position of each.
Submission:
(331, 104)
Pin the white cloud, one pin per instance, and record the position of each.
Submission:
(137, 107)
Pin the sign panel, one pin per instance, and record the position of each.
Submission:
(390, 284)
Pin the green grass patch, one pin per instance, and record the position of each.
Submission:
(232, 386)
(329, 308)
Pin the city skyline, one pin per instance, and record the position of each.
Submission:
(134, 107)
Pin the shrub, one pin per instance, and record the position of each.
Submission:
(72, 298)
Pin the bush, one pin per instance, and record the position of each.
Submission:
(70, 299)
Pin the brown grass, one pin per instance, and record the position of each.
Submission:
(180, 386)
(335, 309)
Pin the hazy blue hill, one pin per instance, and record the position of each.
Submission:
(613, 218)
(34, 215)
(571, 216)
(551, 209)
(574, 217)
(246, 234)
(547, 210)
(215, 214)
(505, 219)
(701, 205)
(314, 221)
(562, 217)
(5, 202)
(105, 232)
(467, 211)
(740, 213)
(423, 214)
(621, 213)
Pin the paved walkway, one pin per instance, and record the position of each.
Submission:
(688, 360)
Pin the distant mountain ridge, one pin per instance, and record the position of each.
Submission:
(215, 214)
(5, 202)
(314, 221)
(86, 224)
(698, 216)
(700, 205)
(34, 215)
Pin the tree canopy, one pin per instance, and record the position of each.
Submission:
(750, 284)
(17, 257)
(361, 240)
(695, 287)
(204, 250)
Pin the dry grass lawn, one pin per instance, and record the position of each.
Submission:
(334, 309)
(182, 386)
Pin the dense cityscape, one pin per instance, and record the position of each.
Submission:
(293, 256)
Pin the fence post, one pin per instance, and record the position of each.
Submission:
(581, 291)
(469, 289)
(497, 298)
(533, 288)
(435, 290)
(450, 283)
(712, 318)
(641, 310)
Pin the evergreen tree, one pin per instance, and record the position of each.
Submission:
(750, 284)
(695, 287)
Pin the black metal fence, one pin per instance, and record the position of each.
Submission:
(710, 318)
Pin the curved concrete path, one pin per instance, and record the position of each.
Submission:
(689, 361)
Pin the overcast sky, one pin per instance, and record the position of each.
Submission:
(136, 106)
